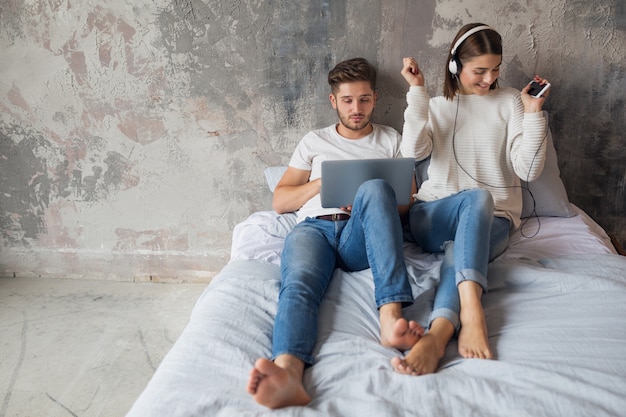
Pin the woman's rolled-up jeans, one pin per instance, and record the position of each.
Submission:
(464, 228)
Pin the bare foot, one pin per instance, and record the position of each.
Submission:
(396, 331)
(425, 355)
(276, 387)
(473, 336)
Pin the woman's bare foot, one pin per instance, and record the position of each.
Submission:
(425, 355)
(473, 336)
(278, 384)
(396, 331)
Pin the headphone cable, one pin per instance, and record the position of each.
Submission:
(526, 188)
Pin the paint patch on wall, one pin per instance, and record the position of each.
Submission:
(36, 174)
(26, 188)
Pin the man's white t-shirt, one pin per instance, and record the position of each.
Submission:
(328, 145)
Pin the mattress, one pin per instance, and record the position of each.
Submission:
(555, 312)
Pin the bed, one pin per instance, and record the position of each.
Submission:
(556, 313)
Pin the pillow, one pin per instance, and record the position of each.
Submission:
(273, 175)
(262, 236)
(550, 197)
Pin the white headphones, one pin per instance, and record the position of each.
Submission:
(454, 65)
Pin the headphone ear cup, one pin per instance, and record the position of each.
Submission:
(452, 67)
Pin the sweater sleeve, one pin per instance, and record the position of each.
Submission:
(417, 139)
(528, 150)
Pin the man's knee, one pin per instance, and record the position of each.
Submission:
(376, 188)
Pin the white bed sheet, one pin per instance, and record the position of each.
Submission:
(555, 313)
(559, 236)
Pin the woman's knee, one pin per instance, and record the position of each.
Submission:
(480, 199)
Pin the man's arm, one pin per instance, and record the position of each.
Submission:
(294, 189)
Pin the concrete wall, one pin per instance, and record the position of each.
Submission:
(134, 133)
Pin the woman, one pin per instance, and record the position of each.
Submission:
(481, 140)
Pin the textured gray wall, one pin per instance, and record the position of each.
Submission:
(134, 133)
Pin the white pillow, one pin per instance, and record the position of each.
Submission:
(262, 236)
(273, 175)
(550, 197)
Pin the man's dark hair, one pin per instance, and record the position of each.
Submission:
(355, 69)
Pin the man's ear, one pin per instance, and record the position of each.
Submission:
(333, 100)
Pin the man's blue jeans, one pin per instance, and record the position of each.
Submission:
(371, 238)
(463, 227)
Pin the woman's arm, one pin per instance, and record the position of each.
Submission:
(416, 140)
(528, 151)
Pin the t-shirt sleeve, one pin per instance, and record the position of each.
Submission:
(301, 157)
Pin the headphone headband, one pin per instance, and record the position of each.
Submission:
(454, 65)
(467, 35)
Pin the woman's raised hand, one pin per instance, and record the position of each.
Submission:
(411, 72)
(534, 104)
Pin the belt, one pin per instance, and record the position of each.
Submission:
(336, 217)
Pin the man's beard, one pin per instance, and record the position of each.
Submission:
(347, 123)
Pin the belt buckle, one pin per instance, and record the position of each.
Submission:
(335, 217)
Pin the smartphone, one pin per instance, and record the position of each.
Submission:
(536, 90)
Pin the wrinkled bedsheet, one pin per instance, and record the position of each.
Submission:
(556, 324)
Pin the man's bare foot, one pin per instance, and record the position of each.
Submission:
(425, 355)
(396, 331)
(473, 336)
(275, 387)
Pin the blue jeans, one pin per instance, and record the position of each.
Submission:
(371, 238)
(463, 227)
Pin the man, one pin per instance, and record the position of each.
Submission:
(367, 234)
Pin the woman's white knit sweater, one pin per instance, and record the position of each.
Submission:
(491, 143)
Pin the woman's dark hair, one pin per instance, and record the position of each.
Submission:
(355, 69)
(486, 41)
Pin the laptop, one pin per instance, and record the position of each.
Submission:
(342, 178)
